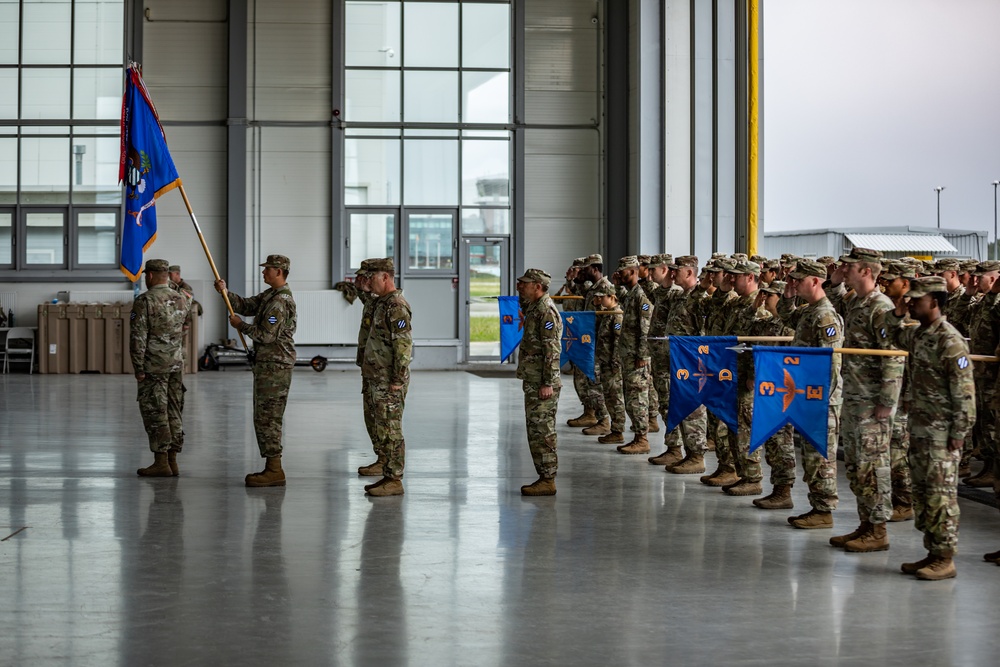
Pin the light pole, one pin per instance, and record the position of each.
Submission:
(996, 249)
(938, 190)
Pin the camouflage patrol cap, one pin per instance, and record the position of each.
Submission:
(603, 287)
(643, 259)
(711, 267)
(863, 255)
(927, 285)
(725, 264)
(174, 268)
(628, 262)
(745, 267)
(739, 256)
(535, 276)
(775, 287)
(157, 265)
(987, 267)
(968, 265)
(826, 260)
(685, 261)
(718, 255)
(771, 265)
(594, 259)
(579, 262)
(760, 259)
(384, 264)
(277, 262)
(947, 264)
(364, 269)
(895, 270)
(804, 268)
(663, 259)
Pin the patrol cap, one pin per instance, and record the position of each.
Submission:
(775, 287)
(277, 262)
(643, 259)
(174, 268)
(535, 276)
(157, 265)
(364, 269)
(663, 259)
(927, 285)
(725, 264)
(711, 267)
(771, 265)
(947, 264)
(826, 260)
(718, 255)
(987, 267)
(968, 265)
(579, 262)
(895, 270)
(594, 259)
(603, 287)
(745, 267)
(739, 256)
(381, 264)
(804, 268)
(628, 262)
(760, 259)
(688, 261)
(862, 255)
(786, 256)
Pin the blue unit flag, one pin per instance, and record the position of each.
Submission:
(702, 372)
(792, 386)
(511, 325)
(579, 340)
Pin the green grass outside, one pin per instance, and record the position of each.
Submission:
(484, 285)
(484, 329)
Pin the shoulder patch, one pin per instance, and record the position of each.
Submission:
(882, 332)
(272, 319)
(132, 316)
(401, 324)
(831, 332)
(963, 362)
(645, 306)
(618, 325)
(550, 325)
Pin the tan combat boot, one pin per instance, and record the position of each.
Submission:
(942, 567)
(840, 540)
(911, 568)
(540, 487)
(613, 438)
(876, 539)
(385, 487)
(710, 445)
(588, 418)
(812, 520)
(373, 469)
(902, 513)
(668, 458)
(639, 445)
(692, 464)
(981, 480)
(172, 462)
(723, 476)
(744, 488)
(159, 468)
(271, 475)
(780, 498)
(654, 424)
(992, 557)
(602, 427)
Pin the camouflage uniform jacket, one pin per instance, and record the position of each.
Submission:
(541, 345)
(743, 319)
(663, 301)
(157, 330)
(185, 288)
(716, 310)
(609, 330)
(983, 325)
(368, 301)
(577, 289)
(588, 298)
(957, 309)
(943, 392)
(818, 325)
(685, 318)
(867, 378)
(273, 327)
(389, 347)
(650, 288)
(637, 311)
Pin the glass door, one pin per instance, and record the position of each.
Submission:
(484, 275)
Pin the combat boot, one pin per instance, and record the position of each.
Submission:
(692, 464)
(160, 467)
(602, 427)
(942, 567)
(639, 445)
(588, 418)
(875, 539)
(911, 568)
(654, 424)
(710, 445)
(373, 469)
(385, 487)
(668, 458)
(723, 476)
(780, 498)
(540, 487)
(812, 520)
(981, 480)
(744, 488)
(840, 540)
(172, 462)
(902, 513)
(992, 557)
(613, 438)
(271, 475)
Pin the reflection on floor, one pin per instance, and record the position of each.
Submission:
(626, 565)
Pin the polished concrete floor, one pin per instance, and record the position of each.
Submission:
(627, 565)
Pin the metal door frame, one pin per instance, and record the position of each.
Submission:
(464, 284)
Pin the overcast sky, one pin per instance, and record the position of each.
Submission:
(870, 104)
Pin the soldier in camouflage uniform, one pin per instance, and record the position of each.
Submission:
(650, 287)
(942, 410)
(957, 309)
(576, 286)
(368, 301)
(595, 416)
(715, 310)
(175, 278)
(386, 367)
(984, 336)
(871, 390)
(155, 347)
(609, 328)
(538, 370)
(272, 332)
(633, 351)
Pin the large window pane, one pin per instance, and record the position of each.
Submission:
(95, 170)
(431, 241)
(487, 221)
(372, 34)
(8, 31)
(8, 94)
(98, 36)
(8, 170)
(97, 93)
(371, 96)
(45, 94)
(95, 234)
(430, 31)
(430, 97)
(372, 235)
(371, 171)
(430, 172)
(44, 170)
(6, 229)
(486, 173)
(485, 97)
(486, 36)
(44, 242)
(47, 32)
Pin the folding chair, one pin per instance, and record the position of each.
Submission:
(26, 348)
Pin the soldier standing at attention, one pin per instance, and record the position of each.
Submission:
(957, 309)
(155, 346)
(175, 278)
(650, 287)
(272, 329)
(715, 310)
(633, 351)
(984, 336)
(368, 301)
(595, 418)
(942, 411)
(386, 367)
(538, 370)
(871, 389)
(609, 329)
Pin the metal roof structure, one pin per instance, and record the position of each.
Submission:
(924, 243)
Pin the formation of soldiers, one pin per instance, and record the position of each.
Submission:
(909, 427)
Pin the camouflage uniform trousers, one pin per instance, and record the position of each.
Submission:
(779, 453)
(692, 432)
(614, 398)
(635, 384)
(161, 400)
(590, 391)
(747, 465)
(866, 460)
(540, 421)
(270, 395)
(819, 472)
(899, 448)
(387, 417)
(935, 492)
(984, 429)
(721, 434)
(369, 411)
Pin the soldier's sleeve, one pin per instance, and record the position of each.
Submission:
(836, 294)
(550, 334)
(962, 388)
(899, 335)
(244, 305)
(645, 311)
(268, 324)
(398, 321)
(139, 330)
(830, 330)
(892, 367)
(789, 313)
